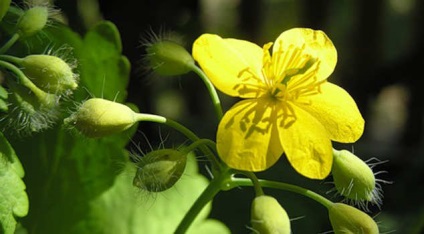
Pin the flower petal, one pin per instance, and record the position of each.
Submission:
(233, 66)
(307, 145)
(315, 43)
(337, 111)
(247, 137)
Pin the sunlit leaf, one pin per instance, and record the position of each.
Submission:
(13, 197)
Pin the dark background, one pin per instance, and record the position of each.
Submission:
(380, 47)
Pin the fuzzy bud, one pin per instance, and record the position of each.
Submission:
(268, 217)
(159, 170)
(29, 111)
(348, 219)
(168, 58)
(98, 117)
(353, 178)
(33, 20)
(4, 6)
(49, 73)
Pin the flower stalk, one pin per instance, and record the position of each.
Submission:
(211, 90)
(215, 185)
(185, 131)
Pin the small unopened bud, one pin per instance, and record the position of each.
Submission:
(29, 112)
(50, 73)
(33, 20)
(353, 178)
(98, 117)
(159, 170)
(268, 216)
(4, 6)
(348, 219)
(168, 58)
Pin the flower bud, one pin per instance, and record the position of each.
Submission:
(159, 170)
(98, 117)
(29, 112)
(49, 73)
(168, 58)
(4, 6)
(348, 219)
(267, 216)
(353, 178)
(33, 20)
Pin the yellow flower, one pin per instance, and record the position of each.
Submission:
(288, 104)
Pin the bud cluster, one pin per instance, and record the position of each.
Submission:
(36, 82)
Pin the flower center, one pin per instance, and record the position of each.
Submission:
(290, 73)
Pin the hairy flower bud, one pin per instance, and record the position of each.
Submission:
(353, 178)
(348, 219)
(159, 170)
(4, 6)
(29, 110)
(49, 73)
(168, 58)
(98, 117)
(33, 20)
(268, 217)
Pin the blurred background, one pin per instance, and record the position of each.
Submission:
(380, 44)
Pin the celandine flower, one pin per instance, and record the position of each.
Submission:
(289, 106)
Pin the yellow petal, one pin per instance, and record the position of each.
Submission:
(315, 43)
(337, 111)
(233, 66)
(247, 137)
(307, 145)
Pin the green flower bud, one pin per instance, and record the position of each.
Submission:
(159, 170)
(33, 20)
(268, 217)
(168, 58)
(348, 219)
(4, 6)
(29, 112)
(98, 117)
(353, 178)
(50, 73)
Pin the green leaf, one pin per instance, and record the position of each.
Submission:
(64, 173)
(126, 210)
(104, 70)
(13, 198)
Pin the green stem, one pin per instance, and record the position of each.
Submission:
(10, 58)
(199, 143)
(211, 89)
(9, 43)
(185, 131)
(255, 182)
(207, 195)
(236, 182)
